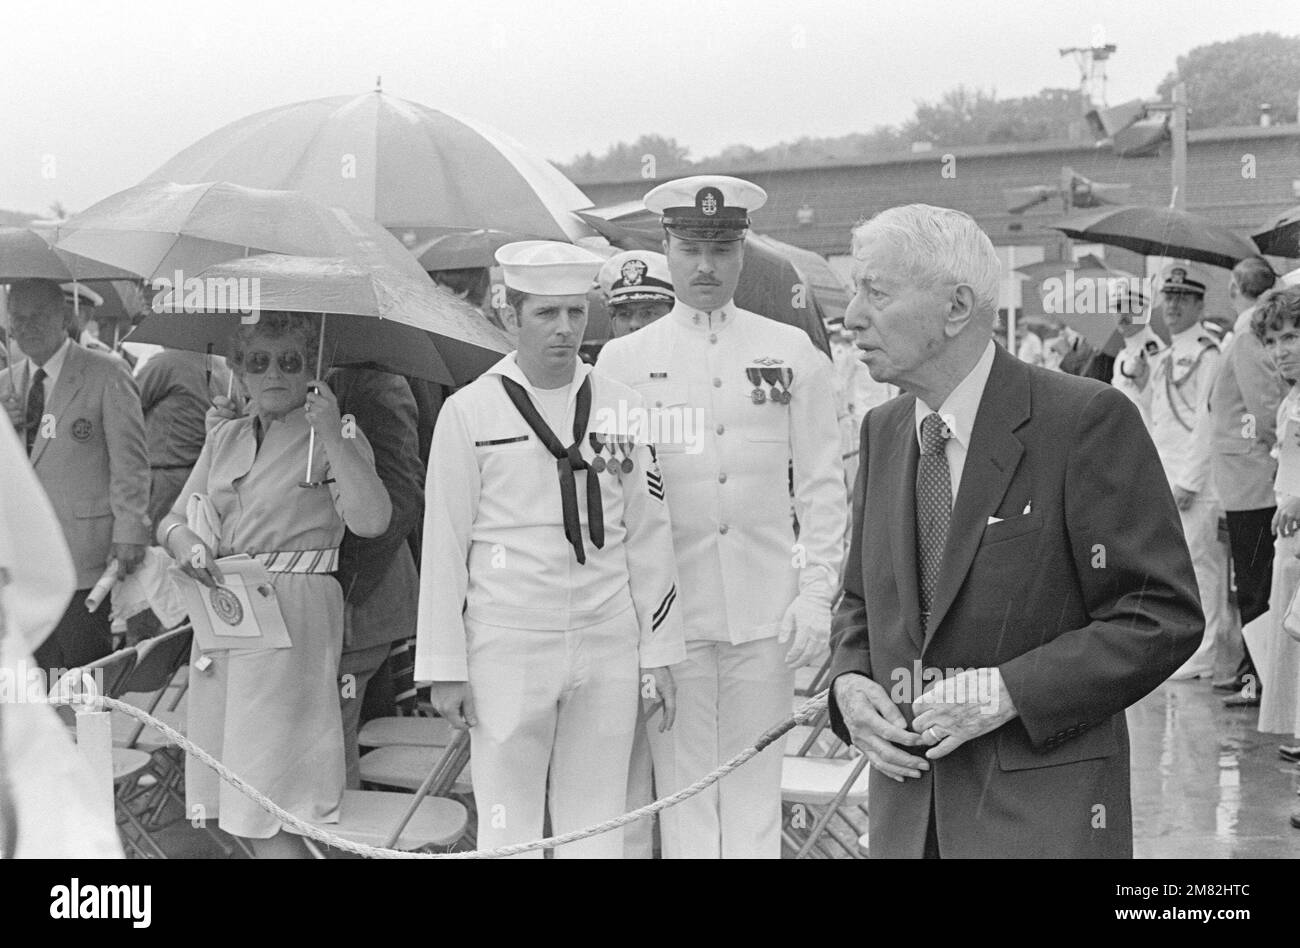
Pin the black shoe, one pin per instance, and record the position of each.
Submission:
(1242, 701)
(1290, 752)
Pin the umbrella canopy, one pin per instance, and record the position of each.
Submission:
(1281, 237)
(400, 163)
(379, 316)
(155, 230)
(816, 273)
(1160, 232)
(461, 249)
(26, 255)
(766, 280)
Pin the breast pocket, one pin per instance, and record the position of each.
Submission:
(1011, 528)
(668, 413)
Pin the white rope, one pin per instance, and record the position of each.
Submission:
(810, 710)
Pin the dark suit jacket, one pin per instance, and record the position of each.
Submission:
(1085, 604)
(95, 469)
(380, 584)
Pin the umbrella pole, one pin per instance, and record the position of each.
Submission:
(311, 438)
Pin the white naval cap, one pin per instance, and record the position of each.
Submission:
(82, 293)
(547, 267)
(1289, 279)
(634, 276)
(706, 206)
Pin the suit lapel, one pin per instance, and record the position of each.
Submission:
(902, 522)
(65, 389)
(991, 462)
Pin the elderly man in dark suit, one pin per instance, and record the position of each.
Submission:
(1017, 575)
(80, 415)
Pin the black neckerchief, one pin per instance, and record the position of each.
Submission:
(567, 460)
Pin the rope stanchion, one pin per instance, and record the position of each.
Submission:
(810, 710)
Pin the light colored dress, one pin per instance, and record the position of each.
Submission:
(271, 715)
(1279, 700)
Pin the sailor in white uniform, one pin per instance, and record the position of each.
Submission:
(743, 416)
(548, 580)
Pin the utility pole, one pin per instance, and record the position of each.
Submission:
(1178, 130)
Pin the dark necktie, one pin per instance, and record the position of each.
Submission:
(567, 460)
(35, 408)
(933, 508)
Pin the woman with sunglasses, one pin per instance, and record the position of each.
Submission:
(272, 715)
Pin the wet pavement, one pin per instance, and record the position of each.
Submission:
(1205, 783)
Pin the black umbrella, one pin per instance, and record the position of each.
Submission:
(1282, 236)
(1160, 232)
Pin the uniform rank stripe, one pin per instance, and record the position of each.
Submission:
(663, 606)
(667, 607)
(494, 441)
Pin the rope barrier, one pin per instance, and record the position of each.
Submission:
(810, 710)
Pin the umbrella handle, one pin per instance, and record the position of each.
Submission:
(311, 438)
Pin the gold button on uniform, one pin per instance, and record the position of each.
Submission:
(717, 383)
(722, 478)
(713, 337)
(721, 428)
(722, 528)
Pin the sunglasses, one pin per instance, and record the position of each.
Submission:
(290, 362)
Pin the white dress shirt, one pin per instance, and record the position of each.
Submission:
(958, 412)
(53, 366)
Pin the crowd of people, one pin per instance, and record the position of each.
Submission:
(611, 573)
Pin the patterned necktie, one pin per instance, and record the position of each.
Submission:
(933, 507)
(35, 408)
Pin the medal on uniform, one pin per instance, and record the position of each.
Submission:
(625, 448)
(785, 377)
(598, 446)
(756, 396)
(771, 376)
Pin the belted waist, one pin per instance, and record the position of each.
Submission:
(300, 561)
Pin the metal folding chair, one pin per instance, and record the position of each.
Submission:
(402, 820)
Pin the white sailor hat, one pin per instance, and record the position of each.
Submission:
(706, 206)
(1289, 279)
(1181, 278)
(634, 276)
(547, 267)
(82, 293)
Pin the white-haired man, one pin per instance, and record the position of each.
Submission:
(1021, 583)
(759, 401)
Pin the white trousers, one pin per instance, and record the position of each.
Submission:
(727, 696)
(1210, 557)
(555, 712)
(638, 837)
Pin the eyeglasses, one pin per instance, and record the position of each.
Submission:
(290, 362)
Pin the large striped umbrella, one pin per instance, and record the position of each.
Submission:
(400, 163)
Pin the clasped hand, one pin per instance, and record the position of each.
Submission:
(946, 715)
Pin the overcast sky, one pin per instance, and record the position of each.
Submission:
(112, 90)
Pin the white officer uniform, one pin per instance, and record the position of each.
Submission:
(1132, 372)
(758, 395)
(1181, 377)
(551, 647)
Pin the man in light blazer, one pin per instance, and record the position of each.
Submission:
(1017, 575)
(79, 413)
